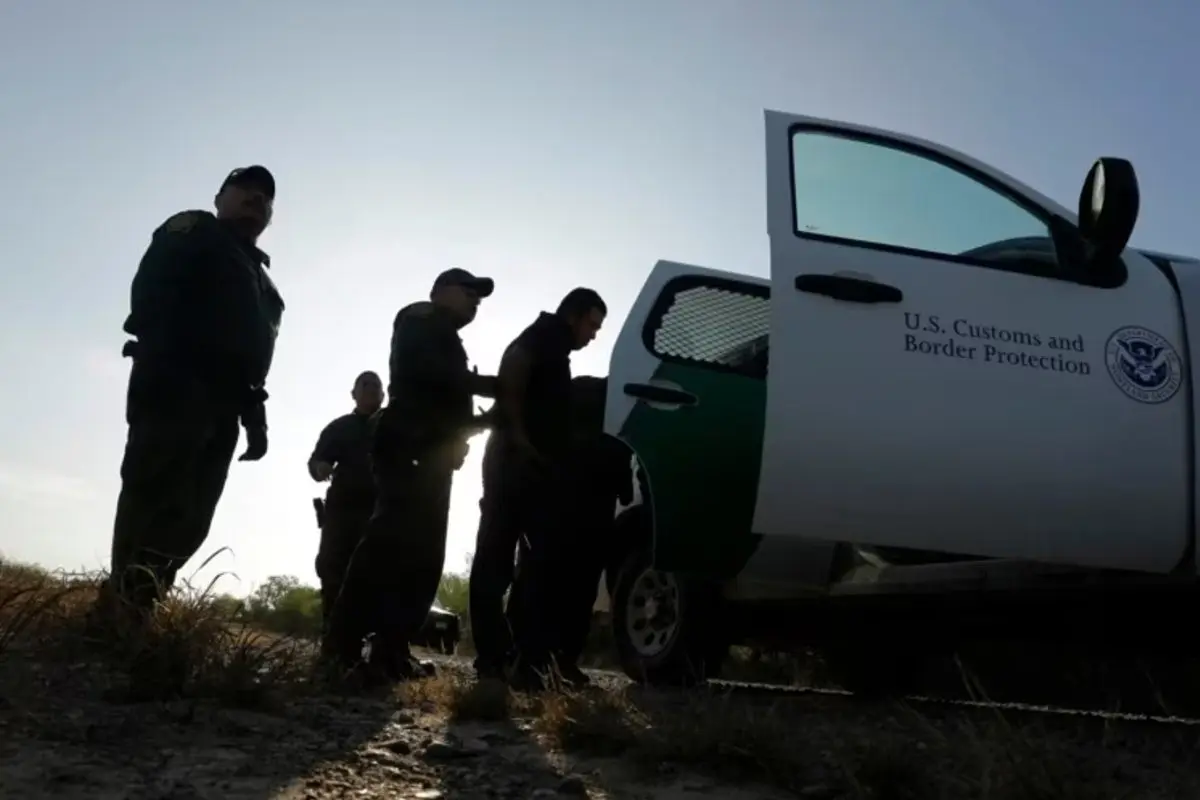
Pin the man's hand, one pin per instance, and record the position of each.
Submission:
(482, 421)
(254, 421)
(321, 470)
(256, 443)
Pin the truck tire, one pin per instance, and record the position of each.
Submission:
(680, 640)
(631, 530)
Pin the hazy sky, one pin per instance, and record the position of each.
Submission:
(546, 143)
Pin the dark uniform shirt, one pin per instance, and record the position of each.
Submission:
(547, 415)
(346, 444)
(202, 301)
(430, 385)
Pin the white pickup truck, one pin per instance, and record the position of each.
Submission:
(976, 411)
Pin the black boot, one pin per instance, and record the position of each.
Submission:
(400, 664)
(116, 623)
(491, 669)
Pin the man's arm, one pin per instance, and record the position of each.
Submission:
(325, 454)
(512, 381)
(483, 385)
(158, 316)
(425, 351)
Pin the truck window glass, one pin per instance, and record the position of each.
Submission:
(710, 325)
(869, 192)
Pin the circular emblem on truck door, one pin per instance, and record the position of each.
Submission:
(1143, 364)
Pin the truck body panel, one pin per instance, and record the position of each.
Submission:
(982, 410)
(992, 407)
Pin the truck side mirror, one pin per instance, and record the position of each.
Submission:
(1108, 208)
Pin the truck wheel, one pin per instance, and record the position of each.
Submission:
(667, 628)
(631, 529)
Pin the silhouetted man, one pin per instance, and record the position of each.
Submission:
(419, 442)
(526, 492)
(205, 315)
(343, 457)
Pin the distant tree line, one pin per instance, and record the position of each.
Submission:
(282, 604)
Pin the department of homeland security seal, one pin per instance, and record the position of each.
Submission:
(1143, 364)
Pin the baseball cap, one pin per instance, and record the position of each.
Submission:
(460, 277)
(255, 174)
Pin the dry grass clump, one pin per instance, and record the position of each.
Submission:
(189, 647)
(828, 748)
(726, 735)
(193, 649)
(31, 598)
(463, 699)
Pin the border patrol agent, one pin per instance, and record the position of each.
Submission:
(527, 491)
(205, 315)
(419, 442)
(342, 456)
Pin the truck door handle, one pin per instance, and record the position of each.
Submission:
(851, 290)
(659, 394)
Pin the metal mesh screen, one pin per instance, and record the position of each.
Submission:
(714, 326)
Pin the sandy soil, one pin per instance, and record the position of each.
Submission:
(71, 727)
(66, 732)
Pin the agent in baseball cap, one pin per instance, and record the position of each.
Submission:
(254, 176)
(459, 292)
(419, 442)
(201, 360)
(247, 199)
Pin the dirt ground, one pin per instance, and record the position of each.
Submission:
(66, 732)
(69, 728)
(198, 706)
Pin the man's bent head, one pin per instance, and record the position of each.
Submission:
(367, 393)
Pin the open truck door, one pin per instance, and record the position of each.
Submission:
(954, 361)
